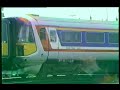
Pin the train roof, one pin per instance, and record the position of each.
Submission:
(76, 23)
(73, 23)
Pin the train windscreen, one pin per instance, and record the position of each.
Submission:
(25, 38)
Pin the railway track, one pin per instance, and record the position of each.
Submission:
(59, 79)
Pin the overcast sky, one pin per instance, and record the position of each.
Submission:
(97, 13)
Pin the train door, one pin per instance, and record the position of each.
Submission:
(8, 43)
(53, 49)
(4, 34)
(44, 42)
(5, 49)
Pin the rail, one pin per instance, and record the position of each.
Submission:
(60, 79)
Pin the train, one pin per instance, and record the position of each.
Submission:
(33, 45)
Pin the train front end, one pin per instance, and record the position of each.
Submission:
(20, 54)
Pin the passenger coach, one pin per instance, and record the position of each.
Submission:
(34, 45)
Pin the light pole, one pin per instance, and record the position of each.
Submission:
(90, 14)
(107, 14)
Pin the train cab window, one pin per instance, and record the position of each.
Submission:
(52, 35)
(25, 34)
(113, 38)
(95, 37)
(25, 40)
(42, 34)
(71, 36)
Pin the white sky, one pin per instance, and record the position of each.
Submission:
(97, 13)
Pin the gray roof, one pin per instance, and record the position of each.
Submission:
(76, 23)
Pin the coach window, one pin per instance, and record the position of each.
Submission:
(70, 36)
(113, 38)
(52, 35)
(95, 37)
(42, 34)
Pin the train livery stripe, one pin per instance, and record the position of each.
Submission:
(81, 50)
(87, 30)
(81, 29)
(4, 49)
(47, 47)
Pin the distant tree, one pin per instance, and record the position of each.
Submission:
(90, 17)
(116, 19)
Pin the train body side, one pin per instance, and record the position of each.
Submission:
(52, 50)
(104, 55)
